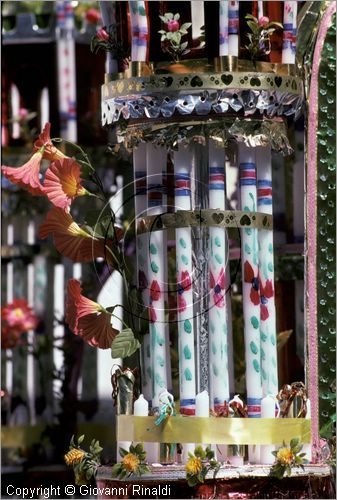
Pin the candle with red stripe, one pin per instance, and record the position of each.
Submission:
(140, 31)
(155, 160)
(266, 264)
(183, 160)
(250, 289)
(233, 28)
(289, 32)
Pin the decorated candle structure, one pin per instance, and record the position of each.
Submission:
(307, 447)
(183, 159)
(223, 28)
(268, 404)
(217, 316)
(202, 405)
(289, 32)
(233, 28)
(155, 159)
(108, 11)
(140, 31)
(266, 267)
(142, 247)
(141, 409)
(236, 452)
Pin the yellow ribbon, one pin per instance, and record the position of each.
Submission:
(213, 430)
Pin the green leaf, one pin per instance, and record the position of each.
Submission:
(294, 442)
(253, 26)
(81, 439)
(116, 469)
(185, 26)
(176, 17)
(124, 344)
(169, 16)
(163, 18)
(123, 452)
(139, 448)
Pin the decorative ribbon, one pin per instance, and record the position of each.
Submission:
(205, 218)
(213, 430)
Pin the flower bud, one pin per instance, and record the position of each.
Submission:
(173, 25)
(263, 21)
(102, 35)
(92, 16)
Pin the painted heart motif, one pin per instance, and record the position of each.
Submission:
(227, 79)
(196, 82)
(218, 218)
(278, 81)
(255, 82)
(245, 220)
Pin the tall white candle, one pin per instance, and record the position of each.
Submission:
(187, 371)
(142, 249)
(140, 31)
(44, 107)
(141, 409)
(223, 28)
(259, 9)
(250, 290)
(155, 159)
(268, 404)
(218, 322)
(266, 266)
(236, 459)
(202, 404)
(233, 28)
(15, 108)
(289, 32)
(71, 72)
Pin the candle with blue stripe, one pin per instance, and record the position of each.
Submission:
(183, 160)
(155, 160)
(233, 28)
(250, 289)
(142, 249)
(223, 28)
(266, 264)
(140, 31)
(167, 332)
(289, 32)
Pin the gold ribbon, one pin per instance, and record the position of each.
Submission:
(213, 430)
(205, 218)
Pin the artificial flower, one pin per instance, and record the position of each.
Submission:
(62, 183)
(173, 26)
(255, 282)
(218, 288)
(92, 16)
(50, 152)
(102, 35)
(71, 240)
(266, 292)
(27, 176)
(193, 466)
(74, 456)
(284, 456)
(19, 315)
(131, 462)
(263, 21)
(287, 457)
(155, 290)
(87, 318)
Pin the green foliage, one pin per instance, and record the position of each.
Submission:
(172, 39)
(124, 344)
(137, 457)
(87, 467)
(208, 463)
(259, 38)
(291, 457)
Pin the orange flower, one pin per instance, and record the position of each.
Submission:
(50, 152)
(62, 182)
(27, 176)
(88, 319)
(285, 456)
(131, 462)
(69, 239)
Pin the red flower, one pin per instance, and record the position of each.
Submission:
(50, 152)
(62, 183)
(27, 176)
(72, 241)
(173, 26)
(88, 319)
(152, 314)
(92, 16)
(266, 293)
(102, 35)
(181, 303)
(19, 316)
(263, 21)
(218, 288)
(155, 290)
(254, 280)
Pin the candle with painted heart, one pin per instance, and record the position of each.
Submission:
(217, 315)
(250, 289)
(140, 31)
(183, 159)
(268, 405)
(141, 409)
(155, 159)
(289, 32)
(223, 28)
(142, 251)
(266, 266)
(233, 28)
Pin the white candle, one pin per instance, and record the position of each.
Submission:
(155, 159)
(71, 73)
(289, 32)
(307, 447)
(140, 31)
(15, 108)
(268, 411)
(259, 9)
(202, 404)
(250, 290)
(233, 28)
(141, 409)
(237, 459)
(266, 265)
(223, 28)
(108, 11)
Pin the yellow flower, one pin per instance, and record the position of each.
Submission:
(285, 456)
(74, 456)
(131, 462)
(193, 466)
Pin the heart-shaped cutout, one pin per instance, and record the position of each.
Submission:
(245, 220)
(278, 81)
(196, 82)
(227, 79)
(218, 218)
